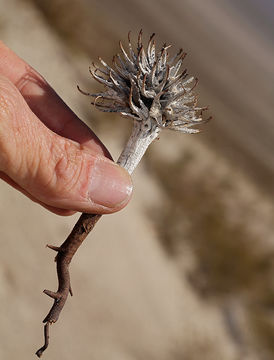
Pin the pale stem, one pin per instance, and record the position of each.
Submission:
(140, 139)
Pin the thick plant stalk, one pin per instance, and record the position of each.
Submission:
(147, 87)
(136, 146)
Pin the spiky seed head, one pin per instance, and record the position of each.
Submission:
(147, 86)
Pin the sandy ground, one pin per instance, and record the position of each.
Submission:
(130, 302)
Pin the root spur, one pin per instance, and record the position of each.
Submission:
(63, 258)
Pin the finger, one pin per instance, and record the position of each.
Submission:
(56, 171)
(45, 103)
(56, 211)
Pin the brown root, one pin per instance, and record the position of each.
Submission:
(63, 258)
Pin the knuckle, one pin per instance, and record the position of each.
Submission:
(68, 165)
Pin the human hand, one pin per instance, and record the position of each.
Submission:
(47, 153)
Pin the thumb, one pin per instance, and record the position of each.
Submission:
(54, 170)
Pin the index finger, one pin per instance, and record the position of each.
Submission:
(45, 103)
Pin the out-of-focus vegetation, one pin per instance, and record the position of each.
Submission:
(228, 261)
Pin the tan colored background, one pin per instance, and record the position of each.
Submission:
(185, 271)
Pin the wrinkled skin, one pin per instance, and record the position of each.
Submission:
(47, 152)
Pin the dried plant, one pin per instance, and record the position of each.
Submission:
(149, 88)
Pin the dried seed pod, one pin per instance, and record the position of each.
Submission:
(144, 84)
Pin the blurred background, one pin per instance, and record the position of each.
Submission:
(186, 270)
